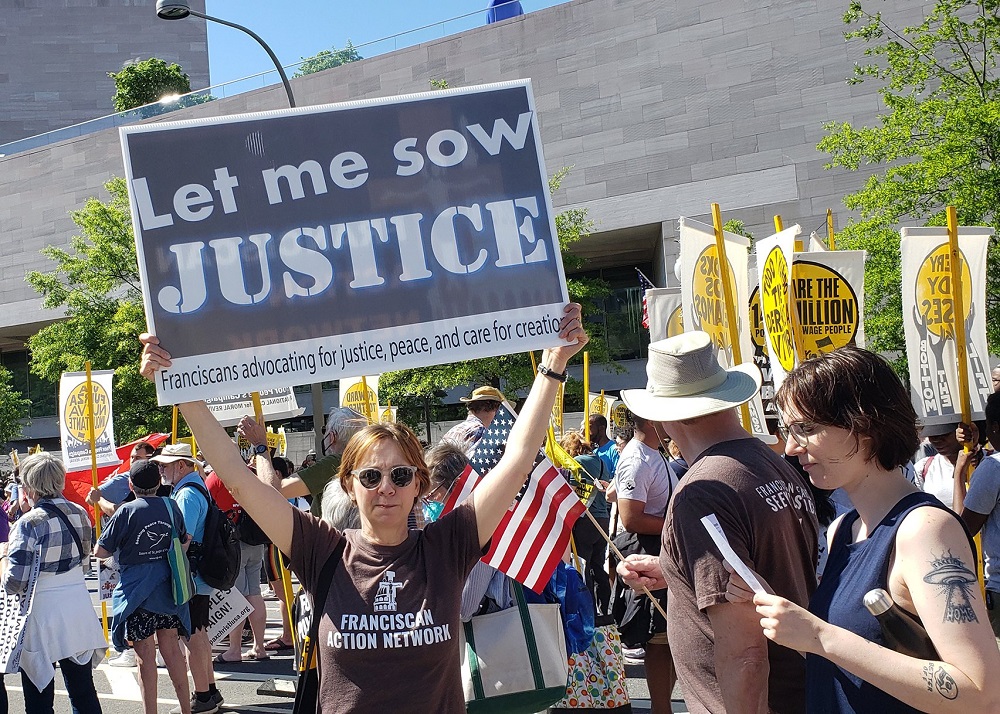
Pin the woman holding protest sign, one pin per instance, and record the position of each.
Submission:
(390, 621)
(851, 424)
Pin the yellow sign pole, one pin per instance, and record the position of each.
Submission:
(961, 349)
(778, 225)
(173, 426)
(258, 408)
(730, 301)
(92, 436)
(586, 396)
(368, 403)
(830, 242)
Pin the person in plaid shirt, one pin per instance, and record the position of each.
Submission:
(62, 627)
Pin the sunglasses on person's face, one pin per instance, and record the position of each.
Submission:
(371, 477)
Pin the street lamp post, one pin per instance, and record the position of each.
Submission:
(179, 9)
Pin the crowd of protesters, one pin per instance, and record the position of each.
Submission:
(855, 496)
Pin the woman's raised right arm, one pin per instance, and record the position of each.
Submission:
(265, 505)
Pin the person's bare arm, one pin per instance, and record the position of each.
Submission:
(293, 487)
(494, 495)
(741, 664)
(934, 563)
(636, 520)
(264, 504)
(974, 521)
(256, 434)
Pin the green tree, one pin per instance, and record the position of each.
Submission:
(937, 144)
(409, 389)
(13, 408)
(327, 59)
(142, 82)
(96, 283)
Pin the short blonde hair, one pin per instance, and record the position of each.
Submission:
(365, 439)
(44, 475)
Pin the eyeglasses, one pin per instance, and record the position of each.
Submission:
(371, 477)
(799, 431)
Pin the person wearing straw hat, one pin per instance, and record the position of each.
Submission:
(766, 511)
(482, 404)
(179, 468)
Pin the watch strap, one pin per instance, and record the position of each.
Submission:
(558, 376)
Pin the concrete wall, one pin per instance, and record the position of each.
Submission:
(660, 107)
(55, 56)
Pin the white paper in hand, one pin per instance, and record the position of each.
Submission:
(714, 529)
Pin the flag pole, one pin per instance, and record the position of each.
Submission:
(92, 437)
(618, 554)
(730, 301)
(586, 396)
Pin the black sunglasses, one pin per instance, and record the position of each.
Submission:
(371, 477)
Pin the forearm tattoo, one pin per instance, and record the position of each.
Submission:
(937, 678)
(955, 581)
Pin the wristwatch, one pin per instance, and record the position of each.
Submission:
(558, 376)
(260, 449)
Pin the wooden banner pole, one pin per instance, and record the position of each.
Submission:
(92, 436)
(730, 303)
(586, 396)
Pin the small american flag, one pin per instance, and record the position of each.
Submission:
(645, 284)
(535, 531)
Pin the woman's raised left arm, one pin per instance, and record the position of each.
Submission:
(499, 487)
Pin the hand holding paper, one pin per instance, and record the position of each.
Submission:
(718, 536)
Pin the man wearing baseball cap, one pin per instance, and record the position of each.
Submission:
(765, 509)
(482, 404)
(179, 468)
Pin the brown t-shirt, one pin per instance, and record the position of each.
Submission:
(388, 638)
(769, 517)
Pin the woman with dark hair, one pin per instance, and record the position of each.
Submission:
(850, 422)
(389, 627)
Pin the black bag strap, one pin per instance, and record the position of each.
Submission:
(318, 601)
(54, 510)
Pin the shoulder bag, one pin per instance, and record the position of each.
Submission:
(514, 661)
(181, 581)
(307, 687)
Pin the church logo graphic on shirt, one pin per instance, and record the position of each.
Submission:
(385, 598)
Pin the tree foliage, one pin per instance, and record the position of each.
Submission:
(411, 387)
(327, 59)
(13, 408)
(143, 82)
(937, 144)
(96, 283)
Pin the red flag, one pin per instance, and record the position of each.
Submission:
(79, 483)
(535, 531)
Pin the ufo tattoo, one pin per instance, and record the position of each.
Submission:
(956, 581)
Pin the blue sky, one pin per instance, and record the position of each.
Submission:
(299, 28)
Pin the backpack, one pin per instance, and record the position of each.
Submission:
(247, 529)
(217, 558)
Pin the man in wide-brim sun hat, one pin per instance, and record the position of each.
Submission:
(765, 509)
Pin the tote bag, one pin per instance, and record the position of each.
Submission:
(597, 676)
(181, 582)
(514, 660)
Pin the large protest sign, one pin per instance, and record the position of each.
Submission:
(774, 277)
(929, 321)
(276, 404)
(666, 318)
(74, 421)
(14, 612)
(829, 292)
(704, 303)
(316, 243)
(361, 395)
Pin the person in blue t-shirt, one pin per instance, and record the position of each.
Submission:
(604, 448)
(139, 536)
